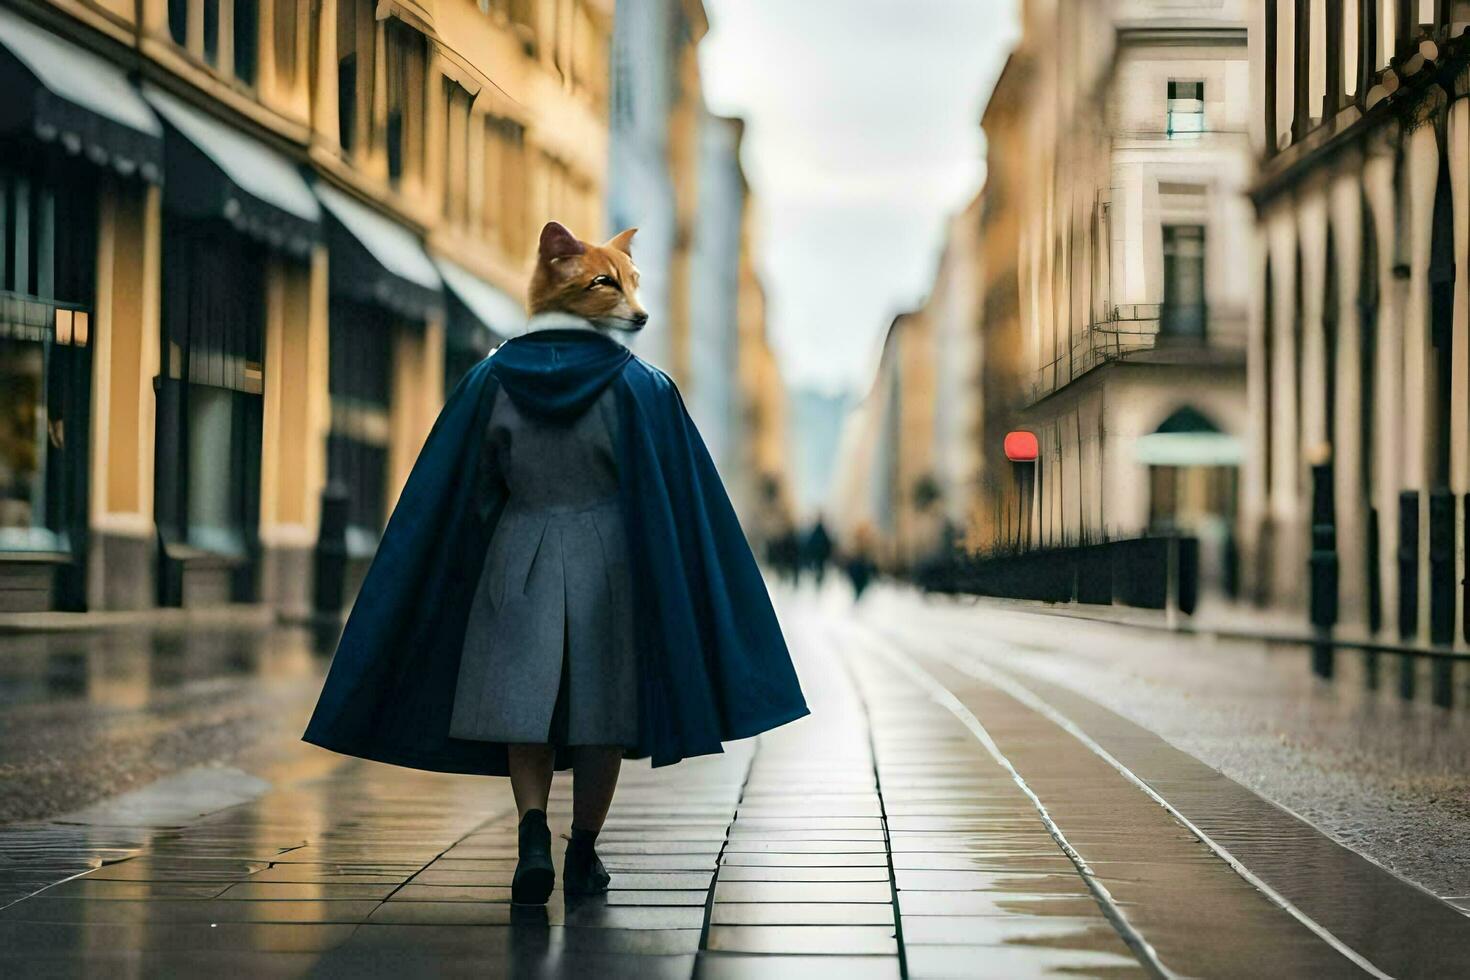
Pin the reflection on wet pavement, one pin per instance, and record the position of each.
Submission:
(84, 715)
(923, 822)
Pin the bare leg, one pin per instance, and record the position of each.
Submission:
(530, 775)
(594, 778)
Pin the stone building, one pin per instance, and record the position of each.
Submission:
(1119, 147)
(248, 247)
(1355, 487)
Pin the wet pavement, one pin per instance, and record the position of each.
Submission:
(947, 810)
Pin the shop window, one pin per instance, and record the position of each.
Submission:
(47, 260)
(1183, 311)
(1186, 109)
(407, 61)
(209, 421)
(360, 380)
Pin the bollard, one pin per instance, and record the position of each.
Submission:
(1408, 562)
(1375, 576)
(1464, 581)
(1441, 566)
(1322, 564)
(330, 560)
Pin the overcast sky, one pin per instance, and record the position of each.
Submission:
(863, 135)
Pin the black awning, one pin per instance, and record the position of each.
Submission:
(61, 93)
(216, 171)
(377, 260)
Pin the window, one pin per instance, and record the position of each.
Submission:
(360, 380)
(1186, 109)
(1183, 312)
(357, 27)
(178, 21)
(456, 175)
(47, 262)
(522, 14)
(239, 49)
(247, 39)
(287, 12)
(506, 217)
(407, 59)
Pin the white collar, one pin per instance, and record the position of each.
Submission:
(557, 320)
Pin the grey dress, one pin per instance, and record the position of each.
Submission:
(548, 653)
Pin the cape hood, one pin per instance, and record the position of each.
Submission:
(713, 665)
(558, 374)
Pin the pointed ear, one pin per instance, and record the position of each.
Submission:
(623, 242)
(558, 243)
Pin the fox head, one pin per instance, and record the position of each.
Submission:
(596, 282)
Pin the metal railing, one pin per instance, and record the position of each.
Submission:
(1134, 328)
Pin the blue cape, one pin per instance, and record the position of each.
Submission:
(713, 663)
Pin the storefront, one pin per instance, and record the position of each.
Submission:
(236, 216)
(385, 368)
(70, 126)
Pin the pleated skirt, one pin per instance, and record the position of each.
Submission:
(549, 653)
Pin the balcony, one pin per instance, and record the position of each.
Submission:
(1155, 333)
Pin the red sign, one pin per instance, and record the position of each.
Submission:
(1021, 446)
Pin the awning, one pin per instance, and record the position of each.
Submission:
(377, 260)
(216, 171)
(1188, 449)
(498, 316)
(63, 93)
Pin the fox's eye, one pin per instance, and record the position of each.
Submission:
(603, 281)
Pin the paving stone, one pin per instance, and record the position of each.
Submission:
(800, 914)
(846, 940)
(742, 966)
(620, 896)
(1003, 961)
(802, 891)
(735, 872)
(316, 891)
(450, 893)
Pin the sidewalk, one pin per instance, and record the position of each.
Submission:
(1222, 619)
(925, 821)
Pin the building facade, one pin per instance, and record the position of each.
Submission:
(1355, 489)
(1132, 301)
(653, 172)
(886, 499)
(248, 249)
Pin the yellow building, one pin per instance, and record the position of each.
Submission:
(252, 243)
(763, 488)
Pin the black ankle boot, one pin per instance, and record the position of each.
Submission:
(582, 871)
(535, 873)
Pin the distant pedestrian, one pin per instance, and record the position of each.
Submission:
(563, 581)
(858, 562)
(816, 551)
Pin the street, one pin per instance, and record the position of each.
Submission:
(983, 789)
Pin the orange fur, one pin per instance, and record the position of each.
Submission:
(596, 282)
